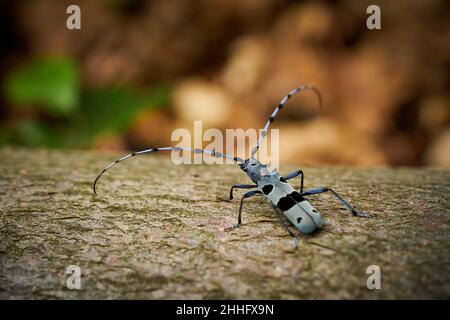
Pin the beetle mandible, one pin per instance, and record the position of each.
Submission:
(275, 187)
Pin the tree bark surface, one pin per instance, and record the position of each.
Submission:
(156, 231)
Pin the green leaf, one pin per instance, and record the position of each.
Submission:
(113, 109)
(52, 83)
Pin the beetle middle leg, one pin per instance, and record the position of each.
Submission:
(240, 186)
(296, 174)
(345, 203)
(246, 195)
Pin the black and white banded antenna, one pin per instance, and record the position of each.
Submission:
(278, 108)
(195, 150)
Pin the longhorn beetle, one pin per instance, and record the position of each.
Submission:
(272, 185)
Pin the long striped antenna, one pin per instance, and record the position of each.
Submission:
(278, 108)
(195, 150)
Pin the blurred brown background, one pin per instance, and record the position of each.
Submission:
(139, 69)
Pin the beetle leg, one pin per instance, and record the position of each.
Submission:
(286, 227)
(345, 203)
(246, 195)
(295, 174)
(240, 186)
(284, 224)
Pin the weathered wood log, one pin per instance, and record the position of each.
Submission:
(156, 230)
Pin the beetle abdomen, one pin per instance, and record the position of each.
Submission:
(295, 207)
(304, 217)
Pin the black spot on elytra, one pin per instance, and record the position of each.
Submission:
(285, 203)
(296, 196)
(267, 189)
(299, 219)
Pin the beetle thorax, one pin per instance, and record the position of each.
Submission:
(254, 169)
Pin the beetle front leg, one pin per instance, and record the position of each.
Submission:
(246, 195)
(345, 203)
(295, 174)
(240, 186)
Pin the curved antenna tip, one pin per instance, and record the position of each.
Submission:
(95, 184)
(319, 95)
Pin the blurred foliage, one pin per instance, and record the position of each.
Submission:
(30, 133)
(49, 86)
(114, 108)
(228, 63)
(52, 83)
